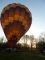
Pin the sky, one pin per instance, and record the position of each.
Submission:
(37, 8)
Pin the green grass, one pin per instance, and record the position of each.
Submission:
(21, 55)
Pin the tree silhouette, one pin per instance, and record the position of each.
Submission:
(31, 39)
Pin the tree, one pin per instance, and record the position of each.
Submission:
(41, 43)
(23, 40)
(1, 40)
(26, 37)
(42, 37)
(31, 38)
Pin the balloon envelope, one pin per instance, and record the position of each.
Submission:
(16, 20)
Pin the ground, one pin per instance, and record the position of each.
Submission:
(21, 54)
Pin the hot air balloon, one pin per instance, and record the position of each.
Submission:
(16, 20)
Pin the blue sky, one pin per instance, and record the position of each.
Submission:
(37, 8)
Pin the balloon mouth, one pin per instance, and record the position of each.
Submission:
(12, 41)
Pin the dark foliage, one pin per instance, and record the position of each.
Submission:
(41, 46)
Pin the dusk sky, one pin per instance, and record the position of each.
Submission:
(37, 8)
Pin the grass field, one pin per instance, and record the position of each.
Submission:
(21, 55)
